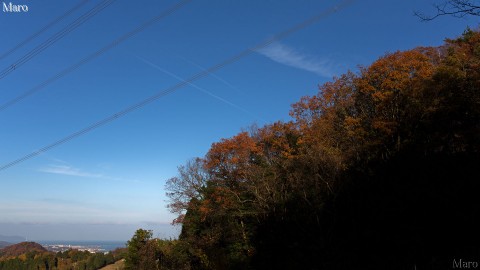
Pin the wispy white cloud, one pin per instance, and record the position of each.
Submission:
(72, 171)
(286, 55)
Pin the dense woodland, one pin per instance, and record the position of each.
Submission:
(379, 170)
(32, 256)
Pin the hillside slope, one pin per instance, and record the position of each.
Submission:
(21, 248)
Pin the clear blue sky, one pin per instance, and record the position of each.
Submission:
(109, 182)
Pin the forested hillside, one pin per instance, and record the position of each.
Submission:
(33, 256)
(20, 248)
(379, 170)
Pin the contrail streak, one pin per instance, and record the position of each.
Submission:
(199, 88)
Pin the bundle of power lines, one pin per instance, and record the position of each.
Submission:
(92, 12)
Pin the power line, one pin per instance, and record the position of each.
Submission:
(94, 55)
(43, 29)
(69, 28)
(174, 88)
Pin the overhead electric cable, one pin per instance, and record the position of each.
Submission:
(43, 29)
(94, 55)
(174, 88)
(62, 33)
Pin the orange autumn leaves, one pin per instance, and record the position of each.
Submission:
(229, 160)
(354, 112)
(349, 117)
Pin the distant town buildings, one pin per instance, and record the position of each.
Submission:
(62, 248)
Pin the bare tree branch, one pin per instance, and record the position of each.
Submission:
(455, 8)
(188, 185)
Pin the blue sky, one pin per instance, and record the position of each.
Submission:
(107, 183)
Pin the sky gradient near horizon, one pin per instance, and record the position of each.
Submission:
(105, 184)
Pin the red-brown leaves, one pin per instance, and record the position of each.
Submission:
(231, 158)
(278, 140)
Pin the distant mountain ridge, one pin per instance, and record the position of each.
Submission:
(12, 239)
(4, 244)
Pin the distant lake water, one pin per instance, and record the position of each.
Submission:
(106, 245)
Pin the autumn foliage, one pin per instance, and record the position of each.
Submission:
(32, 256)
(379, 170)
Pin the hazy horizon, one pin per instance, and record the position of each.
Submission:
(85, 232)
